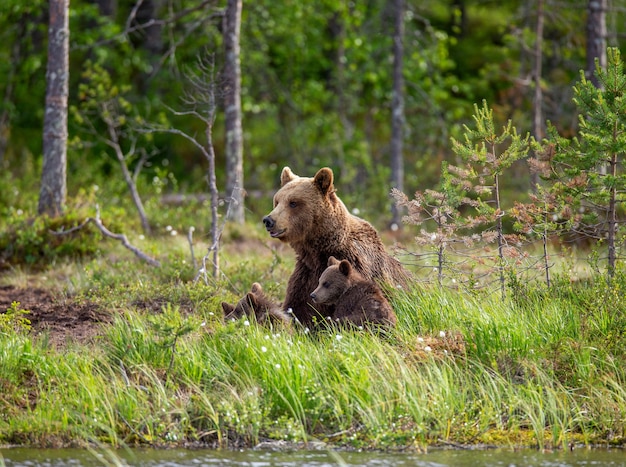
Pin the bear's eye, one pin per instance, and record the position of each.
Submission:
(292, 204)
(325, 285)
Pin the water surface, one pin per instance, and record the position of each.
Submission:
(254, 458)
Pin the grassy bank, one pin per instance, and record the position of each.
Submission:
(541, 368)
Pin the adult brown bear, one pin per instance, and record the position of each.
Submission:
(310, 217)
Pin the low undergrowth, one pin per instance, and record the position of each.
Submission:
(542, 368)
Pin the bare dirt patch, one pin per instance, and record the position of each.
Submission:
(62, 320)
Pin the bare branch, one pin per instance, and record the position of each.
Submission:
(107, 233)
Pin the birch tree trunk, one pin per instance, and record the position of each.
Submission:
(53, 190)
(232, 104)
(397, 110)
(538, 127)
(596, 38)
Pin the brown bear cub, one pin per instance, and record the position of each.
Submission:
(256, 303)
(358, 301)
(310, 217)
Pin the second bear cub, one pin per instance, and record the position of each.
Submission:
(255, 303)
(358, 301)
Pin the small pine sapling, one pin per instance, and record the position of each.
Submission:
(487, 155)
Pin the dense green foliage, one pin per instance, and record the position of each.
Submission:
(316, 85)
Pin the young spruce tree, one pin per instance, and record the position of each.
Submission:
(590, 169)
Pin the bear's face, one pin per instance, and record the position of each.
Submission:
(297, 205)
(334, 281)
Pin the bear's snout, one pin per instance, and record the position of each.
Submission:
(268, 222)
(313, 296)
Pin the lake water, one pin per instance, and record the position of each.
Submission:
(253, 458)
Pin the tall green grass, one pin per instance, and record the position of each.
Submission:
(544, 368)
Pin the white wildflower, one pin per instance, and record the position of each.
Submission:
(428, 349)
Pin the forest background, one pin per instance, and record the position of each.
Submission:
(378, 91)
(317, 90)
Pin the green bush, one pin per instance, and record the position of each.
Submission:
(35, 241)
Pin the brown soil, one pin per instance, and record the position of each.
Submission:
(60, 320)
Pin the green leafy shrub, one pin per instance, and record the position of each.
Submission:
(35, 241)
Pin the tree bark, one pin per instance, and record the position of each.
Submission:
(232, 104)
(397, 110)
(53, 190)
(596, 38)
(538, 131)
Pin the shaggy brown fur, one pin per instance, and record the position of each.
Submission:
(256, 304)
(310, 217)
(358, 301)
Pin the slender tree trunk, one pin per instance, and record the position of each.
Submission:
(596, 49)
(499, 227)
(538, 132)
(53, 190)
(596, 38)
(212, 180)
(232, 103)
(612, 214)
(544, 240)
(337, 30)
(397, 110)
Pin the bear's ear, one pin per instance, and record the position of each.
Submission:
(345, 267)
(287, 176)
(251, 299)
(332, 261)
(228, 308)
(256, 288)
(324, 180)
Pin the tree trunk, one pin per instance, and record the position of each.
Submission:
(596, 38)
(538, 132)
(397, 110)
(232, 104)
(53, 190)
(612, 213)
